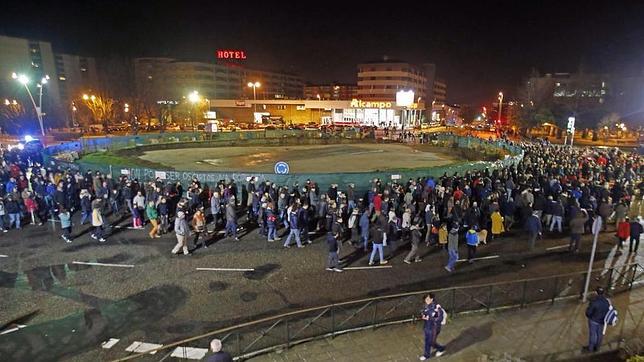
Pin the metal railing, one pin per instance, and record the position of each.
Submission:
(285, 330)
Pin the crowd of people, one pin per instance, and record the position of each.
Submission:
(552, 188)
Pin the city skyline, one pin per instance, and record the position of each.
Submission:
(478, 48)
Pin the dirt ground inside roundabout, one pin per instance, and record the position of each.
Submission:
(303, 158)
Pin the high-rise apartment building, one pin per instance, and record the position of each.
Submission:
(172, 79)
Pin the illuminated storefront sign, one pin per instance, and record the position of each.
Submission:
(357, 103)
(231, 54)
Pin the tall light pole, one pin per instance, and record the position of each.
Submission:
(319, 99)
(193, 98)
(254, 86)
(500, 107)
(24, 80)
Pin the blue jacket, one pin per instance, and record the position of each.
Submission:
(472, 238)
(533, 225)
(65, 219)
(292, 219)
(364, 223)
(597, 309)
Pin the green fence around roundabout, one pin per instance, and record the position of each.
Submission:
(513, 154)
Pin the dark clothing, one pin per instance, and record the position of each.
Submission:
(597, 309)
(220, 356)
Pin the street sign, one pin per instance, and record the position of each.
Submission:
(571, 123)
(281, 168)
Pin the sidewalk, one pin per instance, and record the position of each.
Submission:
(536, 333)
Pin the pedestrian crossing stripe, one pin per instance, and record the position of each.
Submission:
(110, 343)
(189, 353)
(142, 347)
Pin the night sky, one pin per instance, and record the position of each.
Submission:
(479, 48)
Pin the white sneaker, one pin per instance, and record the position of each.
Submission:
(422, 358)
(102, 240)
(384, 262)
(338, 270)
(329, 269)
(440, 353)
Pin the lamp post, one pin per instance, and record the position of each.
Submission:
(500, 107)
(254, 86)
(193, 98)
(404, 99)
(319, 99)
(24, 80)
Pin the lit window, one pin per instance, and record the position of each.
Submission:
(83, 69)
(558, 84)
(62, 78)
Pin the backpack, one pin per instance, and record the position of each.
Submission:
(611, 317)
(444, 319)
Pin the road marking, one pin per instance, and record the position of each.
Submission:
(110, 343)
(18, 326)
(4, 256)
(481, 258)
(143, 347)
(367, 267)
(104, 264)
(189, 353)
(557, 247)
(225, 269)
(127, 227)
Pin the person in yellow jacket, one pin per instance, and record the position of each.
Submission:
(497, 224)
(442, 235)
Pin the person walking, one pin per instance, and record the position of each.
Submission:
(433, 316)
(577, 228)
(66, 224)
(86, 206)
(218, 355)
(557, 216)
(416, 235)
(13, 210)
(215, 208)
(452, 248)
(364, 229)
(199, 226)
(333, 261)
(472, 240)
(271, 223)
(379, 238)
(596, 313)
(181, 231)
(497, 224)
(623, 232)
(294, 223)
(139, 203)
(3, 212)
(231, 220)
(97, 223)
(163, 215)
(153, 216)
(636, 232)
(533, 227)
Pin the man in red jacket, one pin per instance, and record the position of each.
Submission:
(623, 231)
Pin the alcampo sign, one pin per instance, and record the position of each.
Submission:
(356, 103)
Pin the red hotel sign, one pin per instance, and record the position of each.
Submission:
(231, 54)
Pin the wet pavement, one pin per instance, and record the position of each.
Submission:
(70, 309)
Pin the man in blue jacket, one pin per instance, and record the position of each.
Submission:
(295, 228)
(433, 315)
(533, 227)
(596, 312)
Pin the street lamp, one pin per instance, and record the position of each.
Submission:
(319, 99)
(24, 80)
(500, 107)
(404, 99)
(254, 86)
(194, 98)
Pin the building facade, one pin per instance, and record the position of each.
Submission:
(172, 79)
(327, 112)
(36, 60)
(331, 91)
(69, 76)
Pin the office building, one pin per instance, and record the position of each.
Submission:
(331, 91)
(172, 79)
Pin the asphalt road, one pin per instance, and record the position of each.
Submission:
(69, 309)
